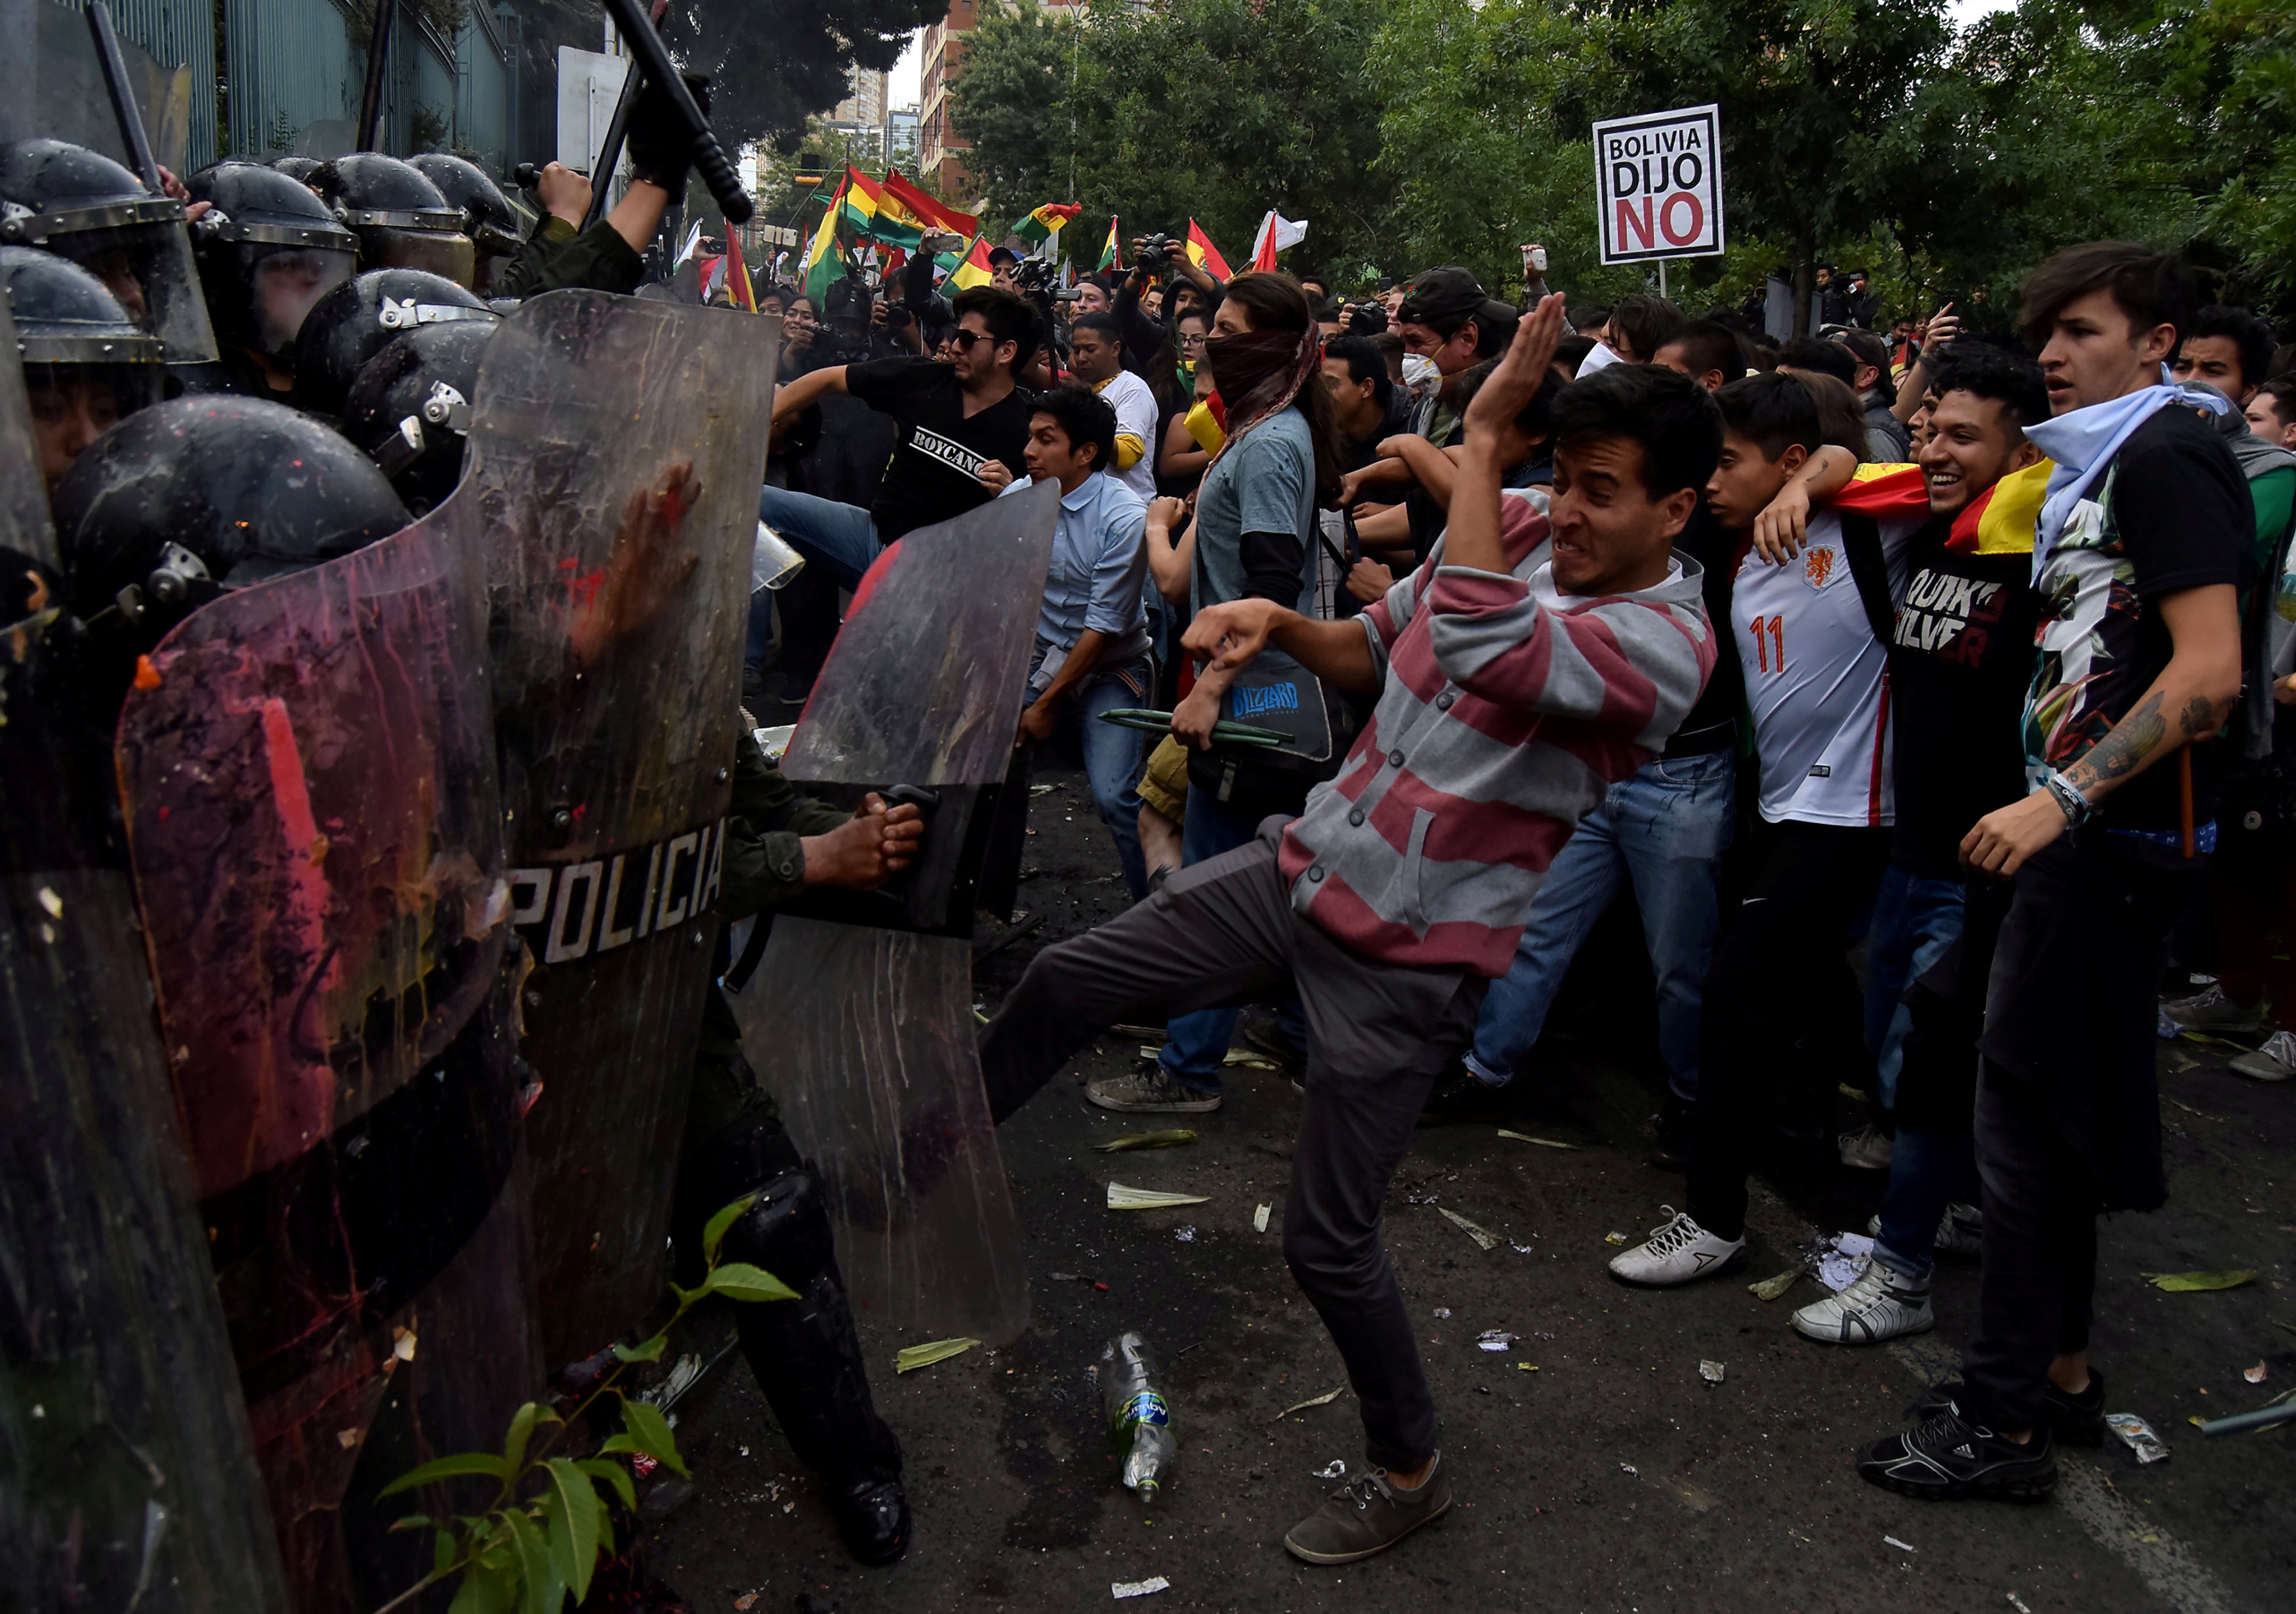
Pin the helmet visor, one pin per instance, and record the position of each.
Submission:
(449, 255)
(73, 405)
(284, 282)
(148, 267)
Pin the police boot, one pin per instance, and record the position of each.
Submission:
(805, 1352)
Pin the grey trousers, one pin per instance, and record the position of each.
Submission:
(1221, 933)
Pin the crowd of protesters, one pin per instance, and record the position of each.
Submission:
(1949, 654)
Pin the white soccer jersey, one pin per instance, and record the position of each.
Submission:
(1136, 416)
(1817, 680)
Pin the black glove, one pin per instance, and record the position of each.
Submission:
(659, 144)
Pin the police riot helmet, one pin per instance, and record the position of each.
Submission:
(298, 168)
(81, 205)
(267, 250)
(354, 322)
(86, 362)
(191, 498)
(401, 220)
(410, 407)
(488, 218)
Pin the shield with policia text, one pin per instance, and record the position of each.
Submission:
(859, 1017)
(617, 556)
(127, 1477)
(315, 820)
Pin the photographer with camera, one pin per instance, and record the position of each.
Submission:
(1145, 334)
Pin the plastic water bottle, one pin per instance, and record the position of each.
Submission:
(1139, 1418)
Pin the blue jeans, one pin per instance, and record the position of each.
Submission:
(1915, 921)
(1665, 826)
(1195, 1049)
(1928, 1170)
(839, 538)
(1112, 756)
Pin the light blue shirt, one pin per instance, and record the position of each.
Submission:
(1099, 570)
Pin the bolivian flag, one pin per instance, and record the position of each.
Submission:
(1205, 255)
(870, 215)
(972, 269)
(823, 263)
(1998, 522)
(937, 216)
(1110, 257)
(1044, 220)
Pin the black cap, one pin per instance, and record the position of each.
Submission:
(1451, 295)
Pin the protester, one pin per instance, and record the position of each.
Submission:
(1096, 355)
(1447, 319)
(2229, 349)
(1887, 441)
(1389, 940)
(1092, 633)
(2138, 559)
(2271, 412)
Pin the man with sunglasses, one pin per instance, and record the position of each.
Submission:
(965, 426)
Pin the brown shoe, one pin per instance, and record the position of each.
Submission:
(1368, 1515)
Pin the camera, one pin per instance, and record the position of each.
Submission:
(898, 317)
(1030, 272)
(1068, 296)
(1154, 250)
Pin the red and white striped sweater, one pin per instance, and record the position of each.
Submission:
(1509, 711)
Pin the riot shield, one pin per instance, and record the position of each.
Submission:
(127, 1473)
(618, 448)
(860, 1017)
(314, 824)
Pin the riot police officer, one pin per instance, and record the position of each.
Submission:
(267, 250)
(86, 361)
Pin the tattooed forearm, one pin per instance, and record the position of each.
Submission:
(2199, 717)
(2123, 751)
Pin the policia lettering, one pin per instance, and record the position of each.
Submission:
(569, 911)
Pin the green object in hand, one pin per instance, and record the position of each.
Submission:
(1224, 731)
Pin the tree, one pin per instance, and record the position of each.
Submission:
(1009, 98)
(774, 63)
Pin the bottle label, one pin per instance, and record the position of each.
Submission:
(1147, 1407)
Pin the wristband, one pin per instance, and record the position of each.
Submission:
(2070, 801)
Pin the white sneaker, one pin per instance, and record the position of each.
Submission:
(1960, 1231)
(1880, 1305)
(1869, 1147)
(1676, 1253)
(2212, 1011)
(2276, 1061)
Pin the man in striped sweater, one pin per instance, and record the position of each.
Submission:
(1514, 690)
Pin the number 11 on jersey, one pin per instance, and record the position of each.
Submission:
(1770, 656)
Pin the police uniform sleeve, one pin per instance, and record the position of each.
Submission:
(765, 865)
(555, 258)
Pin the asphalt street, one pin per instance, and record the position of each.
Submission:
(1594, 1468)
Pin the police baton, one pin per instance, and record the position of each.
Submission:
(123, 98)
(653, 57)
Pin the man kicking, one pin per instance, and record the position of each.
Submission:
(1513, 695)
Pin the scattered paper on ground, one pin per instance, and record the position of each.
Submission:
(1122, 1198)
(1260, 1218)
(1333, 1470)
(1711, 1372)
(924, 1355)
(1487, 1241)
(1839, 1268)
(1250, 1060)
(1524, 1137)
(1770, 1288)
(1170, 1139)
(1139, 1588)
(1326, 1399)
(1614, 1238)
(2254, 1375)
(1903, 1546)
(2183, 1282)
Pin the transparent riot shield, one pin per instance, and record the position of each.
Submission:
(314, 823)
(127, 1473)
(859, 1018)
(618, 450)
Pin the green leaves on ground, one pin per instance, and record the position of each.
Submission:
(2196, 1283)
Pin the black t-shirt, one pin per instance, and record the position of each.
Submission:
(934, 474)
(1705, 541)
(2171, 512)
(1960, 664)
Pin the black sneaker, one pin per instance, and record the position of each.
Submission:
(1461, 1096)
(2073, 1419)
(1670, 1135)
(1946, 1455)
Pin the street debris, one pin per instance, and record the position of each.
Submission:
(910, 1358)
(402, 1349)
(1250, 1060)
(1170, 1139)
(1525, 1367)
(1260, 1218)
(1495, 1339)
(1839, 1261)
(2280, 1409)
(1442, 1314)
(1614, 1238)
(1187, 1235)
(1629, 1468)
(1483, 1239)
(1139, 1588)
(2019, 1603)
(681, 1379)
(1710, 1371)
(1139, 1419)
(1078, 1277)
(1326, 1399)
(747, 1600)
(1903, 1546)
(2254, 1375)
(2191, 1283)
(1524, 1137)
(1122, 1198)
(1770, 1288)
(2137, 1436)
(1333, 1470)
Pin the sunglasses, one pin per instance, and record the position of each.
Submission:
(965, 338)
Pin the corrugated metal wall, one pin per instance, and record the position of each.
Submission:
(482, 105)
(292, 80)
(178, 33)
